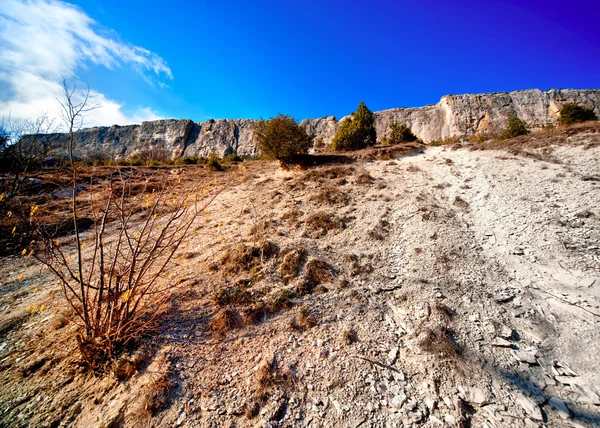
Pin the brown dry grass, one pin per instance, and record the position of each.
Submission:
(243, 258)
(224, 321)
(158, 394)
(330, 195)
(438, 340)
(545, 139)
(322, 222)
(291, 263)
(349, 336)
(316, 272)
(303, 320)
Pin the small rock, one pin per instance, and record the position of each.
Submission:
(448, 402)
(501, 343)
(504, 296)
(435, 420)
(431, 404)
(532, 409)
(473, 396)
(525, 357)
(181, 418)
(450, 420)
(398, 401)
(587, 394)
(563, 369)
(560, 407)
(505, 332)
(393, 355)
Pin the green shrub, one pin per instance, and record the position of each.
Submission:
(232, 158)
(571, 113)
(281, 138)
(399, 133)
(514, 128)
(357, 131)
(132, 161)
(213, 163)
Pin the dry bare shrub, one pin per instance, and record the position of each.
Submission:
(117, 287)
(322, 222)
(224, 321)
(158, 394)
(330, 195)
(290, 266)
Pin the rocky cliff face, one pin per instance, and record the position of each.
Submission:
(453, 116)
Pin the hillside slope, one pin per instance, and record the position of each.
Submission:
(462, 288)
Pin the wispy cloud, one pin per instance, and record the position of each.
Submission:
(43, 42)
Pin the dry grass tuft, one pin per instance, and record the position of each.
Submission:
(349, 336)
(316, 273)
(259, 311)
(157, 396)
(331, 195)
(243, 258)
(322, 222)
(303, 320)
(226, 320)
(438, 341)
(330, 173)
(290, 266)
(364, 179)
(235, 295)
(461, 203)
(413, 168)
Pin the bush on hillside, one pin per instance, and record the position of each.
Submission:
(357, 131)
(399, 133)
(514, 128)
(571, 113)
(213, 163)
(281, 138)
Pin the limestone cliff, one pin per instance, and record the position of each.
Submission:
(453, 116)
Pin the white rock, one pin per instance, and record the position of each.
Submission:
(560, 407)
(531, 408)
(473, 396)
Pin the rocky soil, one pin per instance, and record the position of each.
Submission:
(451, 287)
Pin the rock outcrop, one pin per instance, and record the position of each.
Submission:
(453, 116)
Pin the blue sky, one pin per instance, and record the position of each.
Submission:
(242, 59)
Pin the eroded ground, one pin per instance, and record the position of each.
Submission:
(447, 288)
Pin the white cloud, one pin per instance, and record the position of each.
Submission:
(43, 42)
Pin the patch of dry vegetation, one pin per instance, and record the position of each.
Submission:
(321, 222)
